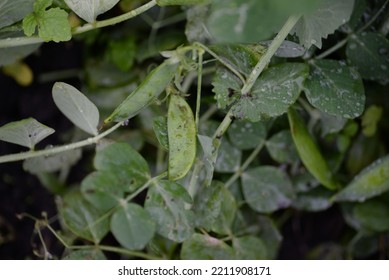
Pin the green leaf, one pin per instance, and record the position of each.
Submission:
(76, 107)
(182, 2)
(52, 24)
(309, 152)
(242, 57)
(82, 218)
(208, 158)
(368, 52)
(246, 135)
(227, 214)
(370, 182)
(330, 14)
(88, 10)
(161, 131)
(195, 30)
(132, 226)
(271, 234)
(317, 199)
(273, 93)
(104, 189)
(12, 11)
(226, 87)
(27, 132)
(207, 205)
(85, 254)
(228, 158)
(267, 189)
(166, 203)
(373, 215)
(125, 163)
(249, 248)
(151, 87)
(52, 163)
(182, 137)
(205, 247)
(335, 89)
(281, 148)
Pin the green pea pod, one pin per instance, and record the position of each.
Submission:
(309, 152)
(153, 85)
(181, 2)
(182, 137)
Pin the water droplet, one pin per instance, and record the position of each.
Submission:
(383, 51)
(346, 116)
(313, 41)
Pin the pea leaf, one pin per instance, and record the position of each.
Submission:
(370, 182)
(88, 10)
(207, 205)
(27, 132)
(330, 14)
(104, 189)
(205, 247)
(249, 248)
(317, 199)
(86, 254)
(273, 92)
(166, 202)
(267, 189)
(182, 137)
(309, 153)
(246, 135)
(335, 89)
(52, 163)
(228, 158)
(12, 11)
(13, 54)
(132, 226)
(209, 157)
(226, 87)
(227, 214)
(82, 218)
(52, 24)
(76, 107)
(368, 52)
(281, 148)
(125, 163)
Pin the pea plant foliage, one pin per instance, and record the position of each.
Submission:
(213, 128)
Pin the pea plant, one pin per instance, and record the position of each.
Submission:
(222, 118)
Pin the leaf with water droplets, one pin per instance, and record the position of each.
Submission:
(335, 88)
(166, 203)
(368, 52)
(229, 157)
(281, 148)
(26, 132)
(76, 107)
(273, 93)
(226, 87)
(370, 182)
(246, 135)
(267, 189)
(331, 14)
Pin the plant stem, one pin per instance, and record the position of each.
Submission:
(59, 149)
(21, 41)
(244, 166)
(265, 59)
(333, 48)
(199, 83)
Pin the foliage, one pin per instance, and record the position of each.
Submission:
(240, 128)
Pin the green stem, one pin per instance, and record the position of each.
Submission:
(59, 149)
(244, 166)
(199, 83)
(21, 41)
(264, 61)
(333, 48)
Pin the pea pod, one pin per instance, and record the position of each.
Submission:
(309, 152)
(181, 2)
(153, 85)
(182, 137)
